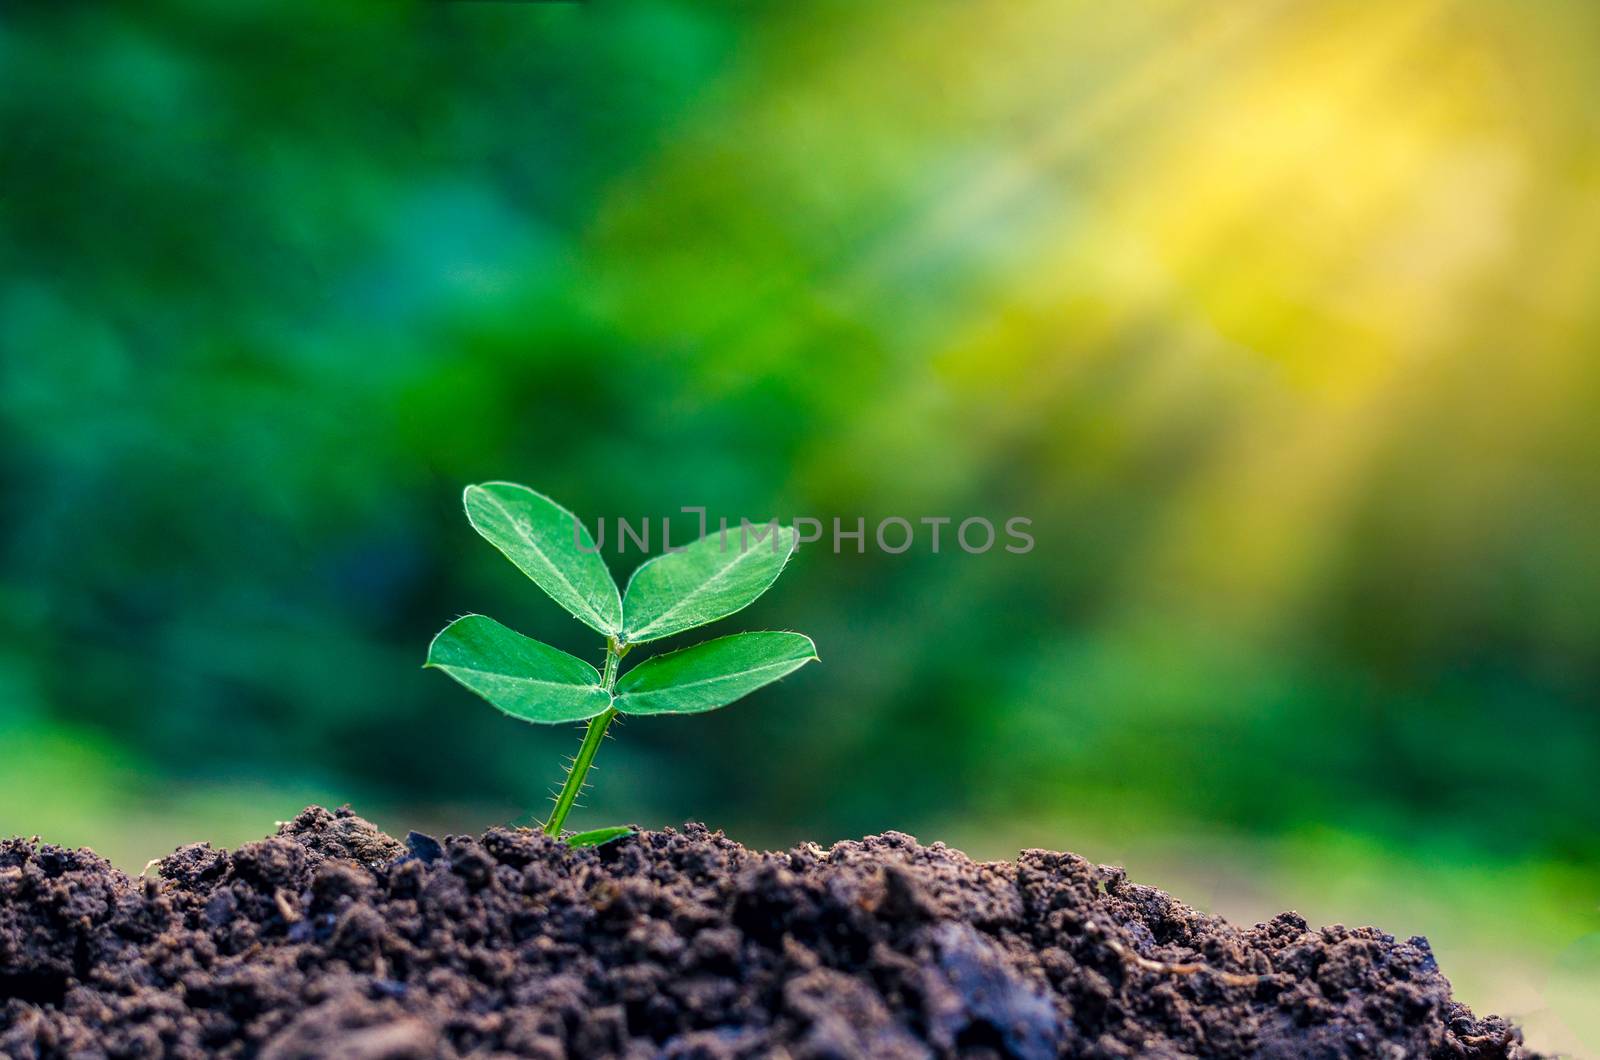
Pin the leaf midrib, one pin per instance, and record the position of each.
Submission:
(528, 540)
(713, 680)
(693, 594)
(514, 677)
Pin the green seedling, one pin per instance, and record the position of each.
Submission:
(676, 591)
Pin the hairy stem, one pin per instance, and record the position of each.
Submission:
(591, 744)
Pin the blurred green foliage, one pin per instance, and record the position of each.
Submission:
(1276, 320)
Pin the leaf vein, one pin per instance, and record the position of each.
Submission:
(515, 677)
(527, 539)
(719, 678)
(693, 594)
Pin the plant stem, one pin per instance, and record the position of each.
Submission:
(591, 744)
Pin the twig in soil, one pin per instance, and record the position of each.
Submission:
(285, 908)
(1165, 967)
(1477, 1040)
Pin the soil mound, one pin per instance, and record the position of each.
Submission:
(331, 939)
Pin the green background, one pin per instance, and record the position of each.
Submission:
(1278, 321)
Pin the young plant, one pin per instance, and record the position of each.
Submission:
(676, 591)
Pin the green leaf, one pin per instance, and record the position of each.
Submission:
(543, 539)
(599, 836)
(712, 674)
(708, 580)
(518, 675)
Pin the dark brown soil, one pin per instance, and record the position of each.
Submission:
(334, 940)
